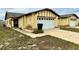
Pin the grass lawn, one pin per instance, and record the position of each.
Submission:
(13, 40)
(70, 29)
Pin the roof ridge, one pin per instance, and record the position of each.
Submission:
(40, 10)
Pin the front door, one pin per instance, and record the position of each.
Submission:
(16, 23)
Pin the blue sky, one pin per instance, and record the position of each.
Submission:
(60, 11)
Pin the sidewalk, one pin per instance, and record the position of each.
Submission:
(63, 34)
(31, 34)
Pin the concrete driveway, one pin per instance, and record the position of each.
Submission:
(77, 27)
(63, 34)
(66, 35)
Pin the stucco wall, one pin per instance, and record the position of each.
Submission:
(63, 22)
(31, 20)
(9, 22)
(24, 21)
(66, 21)
(20, 22)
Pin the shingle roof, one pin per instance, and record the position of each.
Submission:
(68, 15)
(12, 15)
(17, 15)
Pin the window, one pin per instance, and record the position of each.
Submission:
(42, 18)
(38, 18)
(45, 18)
(49, 19)
(73, 19)
(52, 19)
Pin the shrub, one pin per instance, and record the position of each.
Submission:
(20, 28)
(64, 26)
(36, 31)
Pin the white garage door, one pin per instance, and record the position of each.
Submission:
(72, 23)
(47, 23)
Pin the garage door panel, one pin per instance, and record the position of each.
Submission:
(72, 24)
(47, 23)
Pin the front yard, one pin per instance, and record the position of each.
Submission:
(13, 40)
(70, 29)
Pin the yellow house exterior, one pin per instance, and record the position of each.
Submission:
(31, 19)
(10, 17)
(9, 22)
(66, 19)
(47, 15)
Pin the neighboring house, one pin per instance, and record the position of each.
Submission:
(11, 19)
(47, 17)
(69, 20)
